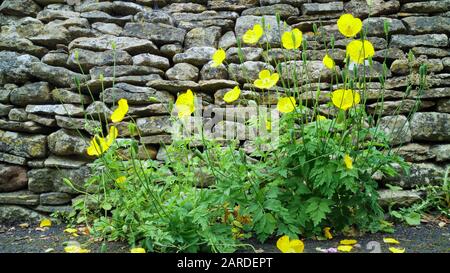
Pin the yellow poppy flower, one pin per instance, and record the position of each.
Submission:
(320, 118)
(285, 245)
(121, 111)
(345, 248)
(292, 39)
(71, 230)
(327, 233)
(328, 62)
(218, 57)
(252, 36)
(348, 25)
(348, 162)
(348, 242)
(112, 135)
(185, 104)
(345, 98)
(397, 250)
(121, 180)
(232, 95)
(137, 250)
(45, 223)
(75, 249)
(359, 51)
(268, 125)
(99, 145)
(266, 80)
(390, 241)
(286, 105)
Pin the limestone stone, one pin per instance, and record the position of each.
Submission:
(209, 72)
(42, 119)
(170, 50)
(426, 6)
(58, 76)
(236, 55)
(147, 59)
(91, 126)
(98, 110)
(422, 25)
(13, 159)
(420, 174)
(24, 145)
(227, 40)
(24, 127)
(396, 128)
(19, 198)
(442, 152)
(55, 198)
(182, 71)
(61, 95)
(375, 26)
(100, 16)
(316, 71)
(414, 152)
(158, 33)
(20, 8)
(135, 94)
(5, 109)
(51, 179)
(88, 59)
(443, 106)
(247, 71)
(107, 28)
(284, 10)
(17, 114)
(65, 142)
(155, 16)
(131, 45)
(55, 58)
(154, 125)
(320, 8)
(409, 41)
(430, 126)
(15, 67)
(55, 109)
(197, 37)
(123, 70)
(15, 214)
(403, 198)
(197, 56)
(33, 93)
(12, 178)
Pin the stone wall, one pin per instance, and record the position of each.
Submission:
(164, 47)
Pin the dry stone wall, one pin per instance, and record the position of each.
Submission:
(164, 47)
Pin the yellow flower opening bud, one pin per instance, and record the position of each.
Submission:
(328, 62)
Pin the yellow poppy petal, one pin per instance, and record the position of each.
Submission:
(345, 248)
(111, 137)
(218, 57)
(253, 35)
(397, 250)
(120, 112)
(328, 62)
(137, 250)
(348, 25)
(268, 125)
(292, 39)
(121, 179)
(358, 51)
(45, 223)
(232, 95)
(320, 118)
(348, 242)
(71, 230)
(327, 233)
(348, 162)
(266, 80)
(296, 246)
(283, 244)
(390, 241)
(286, 105)
(345, 98)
